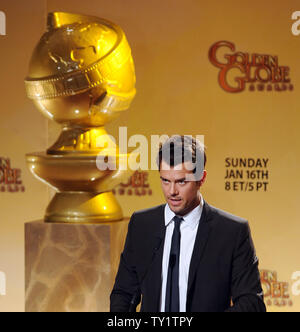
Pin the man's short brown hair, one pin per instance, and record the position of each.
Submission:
(181, 149)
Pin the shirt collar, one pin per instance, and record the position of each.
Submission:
(191, 219)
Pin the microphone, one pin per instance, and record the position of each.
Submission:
(135, 300)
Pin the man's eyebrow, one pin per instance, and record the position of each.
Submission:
(162, 178)
(178, 180)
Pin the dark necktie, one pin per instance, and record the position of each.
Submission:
(172, 292)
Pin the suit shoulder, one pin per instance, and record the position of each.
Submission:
(156, 210)
(228, 219)
(148, 220)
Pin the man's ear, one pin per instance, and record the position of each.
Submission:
(203, 178)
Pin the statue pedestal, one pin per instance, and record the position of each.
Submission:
(71, 267)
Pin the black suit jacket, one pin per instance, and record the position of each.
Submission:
(223, 268)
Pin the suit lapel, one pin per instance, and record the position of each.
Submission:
(200, 242)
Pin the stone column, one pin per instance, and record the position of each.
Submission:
(71, 267)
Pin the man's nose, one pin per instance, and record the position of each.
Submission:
(173, 189)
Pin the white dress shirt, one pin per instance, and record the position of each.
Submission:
(188, 230)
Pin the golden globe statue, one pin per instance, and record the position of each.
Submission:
(81, 75)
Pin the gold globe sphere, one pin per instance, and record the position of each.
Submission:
(81, 72)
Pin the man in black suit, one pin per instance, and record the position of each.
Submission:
(186, 255)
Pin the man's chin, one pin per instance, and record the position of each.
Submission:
(175, 209)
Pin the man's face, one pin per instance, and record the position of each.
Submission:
(181, 195)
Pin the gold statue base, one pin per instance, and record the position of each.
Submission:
(84, 193)
(83, 207)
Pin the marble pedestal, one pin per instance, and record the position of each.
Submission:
(71, 267)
